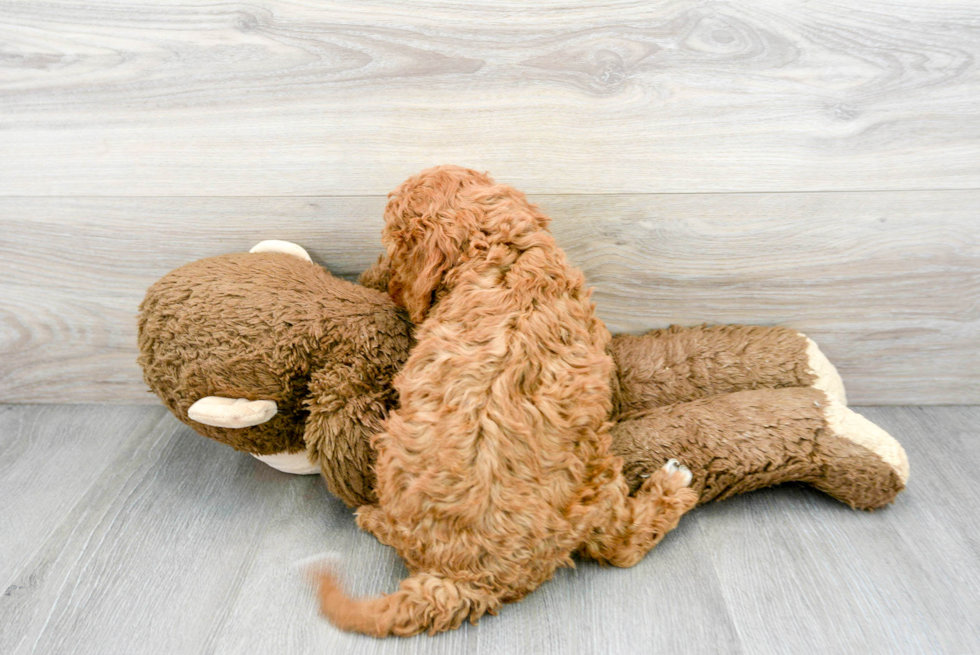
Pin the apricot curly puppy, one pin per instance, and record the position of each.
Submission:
(496, 468)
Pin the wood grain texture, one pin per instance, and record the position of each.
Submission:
(888, 283)
(176, 544)
(37, 448)
(189, 97)
(848, 582)
(165, 529)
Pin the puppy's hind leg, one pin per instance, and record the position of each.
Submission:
(637, 524)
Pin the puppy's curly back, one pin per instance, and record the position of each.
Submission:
(496, 467)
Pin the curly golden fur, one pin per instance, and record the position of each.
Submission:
(496, 468)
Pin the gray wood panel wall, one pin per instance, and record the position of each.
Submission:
(814, 164)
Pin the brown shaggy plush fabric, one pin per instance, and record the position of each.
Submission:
(324, 349)
(496, 467)
(209, 328)
(732, 403)
(676, 365)
(738, 442)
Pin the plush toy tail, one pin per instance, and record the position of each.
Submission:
(423, 602)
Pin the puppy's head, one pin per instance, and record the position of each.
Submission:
(446, 217)
(431, 222)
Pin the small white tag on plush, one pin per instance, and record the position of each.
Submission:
(287, 247)
(231, 412)
(295, 463)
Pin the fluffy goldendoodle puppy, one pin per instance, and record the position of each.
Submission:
(496, 468)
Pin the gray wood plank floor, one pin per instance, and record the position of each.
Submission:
(122, 531)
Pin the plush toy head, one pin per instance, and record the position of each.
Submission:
(225, 333)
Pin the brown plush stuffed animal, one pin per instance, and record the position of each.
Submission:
(269, 353)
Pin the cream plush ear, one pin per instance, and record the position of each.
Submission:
(286, 247)
(231, 412)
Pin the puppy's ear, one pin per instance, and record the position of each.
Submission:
(424, 252)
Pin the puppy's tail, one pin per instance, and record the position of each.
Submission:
(422, 602)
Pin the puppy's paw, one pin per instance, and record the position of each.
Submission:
(672, 479)
(678, 473)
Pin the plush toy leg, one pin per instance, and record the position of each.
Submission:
(287, 247)
(751, 439)
(679, 364)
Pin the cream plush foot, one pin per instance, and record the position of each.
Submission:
(850, 425)
(274, 245)
(231, 412)
(827, 379)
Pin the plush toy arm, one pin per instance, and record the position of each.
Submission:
(377, 276)
(345, 411)
(680, 364)
(751, 439)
